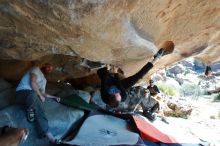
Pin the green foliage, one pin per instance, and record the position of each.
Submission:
(219, 114)
(167, 89)
(191, 90)
(217, 98)
(168, 74)
(187, 71)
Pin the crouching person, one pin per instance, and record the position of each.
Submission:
(139, 98)
(150, 106)
(30, 93)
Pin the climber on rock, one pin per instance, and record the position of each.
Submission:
(115, 90)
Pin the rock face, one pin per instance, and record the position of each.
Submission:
(126, 32)
(177, 109)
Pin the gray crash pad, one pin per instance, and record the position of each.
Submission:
(61, 118)
(104, 130)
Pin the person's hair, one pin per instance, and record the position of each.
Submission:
(46, 68)
(47, 65)
(151, 81)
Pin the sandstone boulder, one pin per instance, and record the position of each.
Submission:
(125, 33)
(177, 109)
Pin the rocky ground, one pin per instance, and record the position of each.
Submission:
(203, 123)
(188, 80)
(206, 119)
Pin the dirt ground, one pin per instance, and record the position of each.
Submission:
(204, 122)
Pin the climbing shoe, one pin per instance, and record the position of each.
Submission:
(30, 115)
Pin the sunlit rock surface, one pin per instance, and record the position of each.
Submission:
(126, 32)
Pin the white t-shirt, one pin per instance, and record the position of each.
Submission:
(25, 83)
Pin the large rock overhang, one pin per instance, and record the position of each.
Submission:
(126, 33)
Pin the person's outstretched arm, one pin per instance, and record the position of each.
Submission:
(130, 81)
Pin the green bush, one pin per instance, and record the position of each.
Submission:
(167, 89)
(187, 71)
(217, 97)
(219, 114)
(191, 90)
